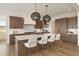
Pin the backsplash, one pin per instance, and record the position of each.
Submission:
(16, 31)
(73, 31)
(27, 28)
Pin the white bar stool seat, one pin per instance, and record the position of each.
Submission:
(57, 37)
(43, 39)
(51, 38)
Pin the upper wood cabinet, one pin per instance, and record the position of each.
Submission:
(72, 23)
(16, 22)
(39, 25)
(62, 25)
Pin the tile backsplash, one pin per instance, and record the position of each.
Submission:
(74, 31)
(27, 28)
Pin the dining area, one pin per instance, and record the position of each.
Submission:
(28, 45)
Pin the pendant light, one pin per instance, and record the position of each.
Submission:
(35, 15)
(46, 18)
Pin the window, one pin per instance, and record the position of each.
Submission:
(2, 23)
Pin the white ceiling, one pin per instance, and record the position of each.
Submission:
(53, 8)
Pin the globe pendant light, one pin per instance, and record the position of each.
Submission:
(46, 18)
(35, 15)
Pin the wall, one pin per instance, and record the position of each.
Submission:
(53, 26)
(28, 28)
(28, 20)
(78, 28)
(3, 29)
(71, 14)
(2, 33)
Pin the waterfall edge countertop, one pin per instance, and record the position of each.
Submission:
(28, 33)
(13, 39)
(24, 36)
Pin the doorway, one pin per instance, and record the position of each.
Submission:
(3, 28)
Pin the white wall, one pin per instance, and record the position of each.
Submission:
(78, 28)
(3, 29)
(28, 28)
(71, 14)
(28, 20)
(53, 26)
(2, 33)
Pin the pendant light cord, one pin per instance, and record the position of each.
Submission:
(46, 9)
(46, 6)
(35, 6)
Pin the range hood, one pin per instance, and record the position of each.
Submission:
(28, 21)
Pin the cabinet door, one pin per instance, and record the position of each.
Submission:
(12, 40)
(16, 22)
(57, 25)
(72, 23)
(39, 25)
(61, 26)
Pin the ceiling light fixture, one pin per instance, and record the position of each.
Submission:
(46, 18)
(35, 15)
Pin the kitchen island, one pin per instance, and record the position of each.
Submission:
(12, 36)
(20, 48)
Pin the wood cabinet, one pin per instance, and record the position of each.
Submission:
(39, 25)
(72, 23)
(16, 22)
(12, 40)
(69, 38)
(64, 24)
(62, 27)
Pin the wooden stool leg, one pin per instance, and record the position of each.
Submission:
(37, 50)
(28, 51)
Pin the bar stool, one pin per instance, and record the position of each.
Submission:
(32, 43)
(51, 39)
(57, 37)
(39, 37)
(42, 41)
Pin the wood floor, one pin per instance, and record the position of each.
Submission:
(58, 49)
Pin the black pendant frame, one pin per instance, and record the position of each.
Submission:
(35, 16)
(47, 18)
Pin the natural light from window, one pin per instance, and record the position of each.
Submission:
(2, 23)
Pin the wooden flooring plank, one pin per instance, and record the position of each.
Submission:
(58, 49)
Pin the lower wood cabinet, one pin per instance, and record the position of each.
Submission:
(12, 40)
(69, 38)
